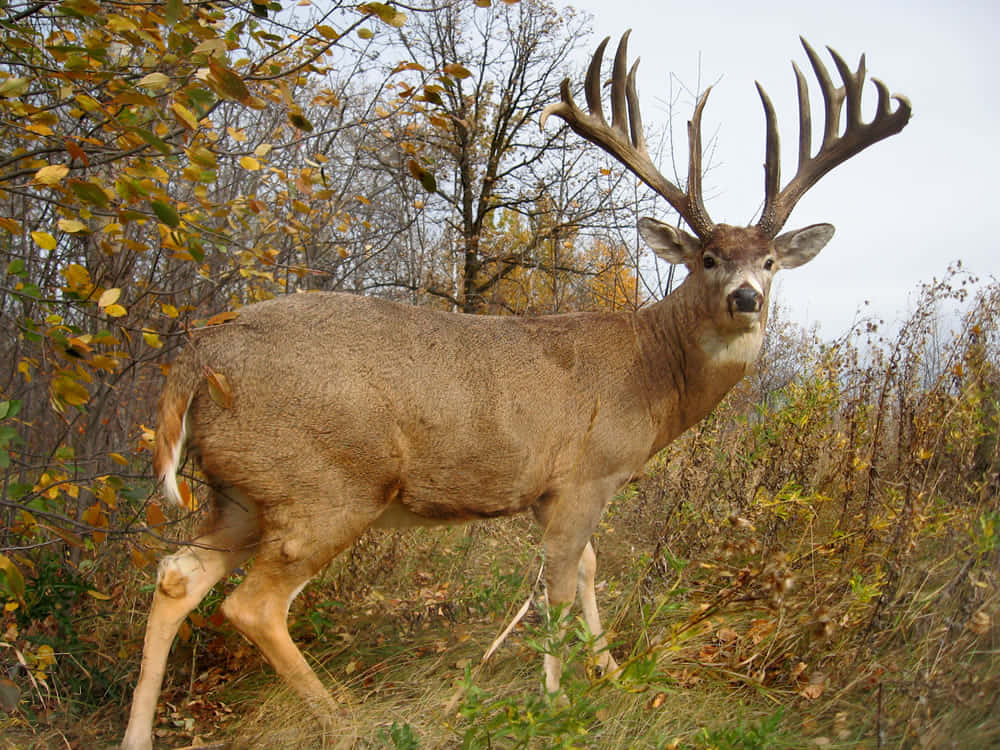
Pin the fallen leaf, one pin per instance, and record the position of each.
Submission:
(658, 700)
(811, 692)
(219, 388)
(10, 695)
(726, 635)
(222, 317)
(980, 623)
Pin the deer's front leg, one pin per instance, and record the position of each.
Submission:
(570, 564)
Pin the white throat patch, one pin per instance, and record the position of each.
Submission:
(735, 349)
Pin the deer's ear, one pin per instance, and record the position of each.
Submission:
(801, 246)
(670, 243)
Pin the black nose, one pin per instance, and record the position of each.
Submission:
(744, 300)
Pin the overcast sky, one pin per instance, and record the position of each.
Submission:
(904, 208)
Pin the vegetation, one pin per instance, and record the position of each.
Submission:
(815, 564)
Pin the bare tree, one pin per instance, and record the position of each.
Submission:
(486, 79)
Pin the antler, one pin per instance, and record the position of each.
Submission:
(835, 148)
(624, 138)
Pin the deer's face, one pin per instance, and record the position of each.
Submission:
(733, 267)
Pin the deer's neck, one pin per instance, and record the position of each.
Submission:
(689, 364)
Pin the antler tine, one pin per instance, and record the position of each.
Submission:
(805, 115)
(592, 88)
(634, 116)
(699, 214)
(624, 139)
(772, 152)
(619, 86)
(837, 147)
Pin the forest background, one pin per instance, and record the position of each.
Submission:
(816, 563)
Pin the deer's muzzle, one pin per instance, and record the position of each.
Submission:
(746, 299)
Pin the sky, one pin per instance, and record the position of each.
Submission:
(906, 207)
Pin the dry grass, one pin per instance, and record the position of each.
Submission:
(815, 565)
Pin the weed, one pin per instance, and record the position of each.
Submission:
(398, 736)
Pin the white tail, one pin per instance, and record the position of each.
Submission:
(169, 459)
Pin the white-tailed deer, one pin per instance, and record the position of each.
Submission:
(347, 412)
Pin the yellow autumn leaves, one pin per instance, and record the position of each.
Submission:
(253, 163)
(52, 174)
(108, 302)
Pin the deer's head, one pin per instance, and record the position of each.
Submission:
(733, 266)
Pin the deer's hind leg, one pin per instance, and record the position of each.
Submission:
(586, 573)
(292, 551)
(182, 581)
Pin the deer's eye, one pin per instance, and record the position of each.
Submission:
(769, 264)
(708, 261)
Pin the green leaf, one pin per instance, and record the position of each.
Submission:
(13, 87)
(15, 408)
(425, 176)
(196, 250)
(166, 213)
(127, 215)
(130, 189)
(173, 11)
(89, 192)
(202, 99)
(18, 490)
(158, 143)
(299, 121)
(80, 8)
(16, 267)
(9, 409)
(429, 182)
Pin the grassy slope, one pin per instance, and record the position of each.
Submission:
(812, 566)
